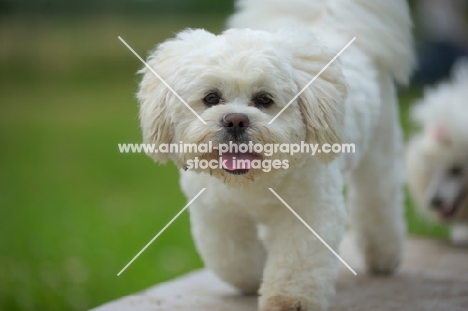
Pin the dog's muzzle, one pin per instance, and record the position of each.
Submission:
(236, 125)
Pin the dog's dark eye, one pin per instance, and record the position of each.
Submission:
(211, 99)
(455, 171)
(263, 100)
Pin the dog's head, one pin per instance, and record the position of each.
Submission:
(444, 175)
(237, 82)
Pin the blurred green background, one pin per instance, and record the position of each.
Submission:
(73, 210)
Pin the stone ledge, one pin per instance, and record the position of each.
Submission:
(434, 276)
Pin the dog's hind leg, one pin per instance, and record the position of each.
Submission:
(375, 191)
(229, 246)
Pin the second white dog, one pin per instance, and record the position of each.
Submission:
(437, 157)
(238, 82)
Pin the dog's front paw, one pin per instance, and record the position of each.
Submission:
(279, 303)
(459, 235)
(282, 303)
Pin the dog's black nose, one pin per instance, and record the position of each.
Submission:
(436, 202)
(235, 120)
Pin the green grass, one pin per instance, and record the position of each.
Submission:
(73, 210)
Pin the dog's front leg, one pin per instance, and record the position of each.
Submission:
(300, 271)
(228, 243)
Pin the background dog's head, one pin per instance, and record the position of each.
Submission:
(238, 82)
(437, 160)
(438, 175)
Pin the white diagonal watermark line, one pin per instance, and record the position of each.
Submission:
(312, 230)
(312, 81)
(161, 79)
(162, 230)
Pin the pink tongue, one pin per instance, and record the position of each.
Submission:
(447, 212)
(232, 159)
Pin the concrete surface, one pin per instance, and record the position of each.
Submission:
(434, 276)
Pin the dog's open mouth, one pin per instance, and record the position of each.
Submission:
(238, 163)
(449, 211)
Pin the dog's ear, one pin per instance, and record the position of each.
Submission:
(322, 104)
(156, 123)
(156, 117)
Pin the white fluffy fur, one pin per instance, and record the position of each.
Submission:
(244, 234)
(430, 156)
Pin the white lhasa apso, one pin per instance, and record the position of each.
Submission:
(238, 82)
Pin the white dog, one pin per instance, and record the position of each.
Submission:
(238, 82)
(437, 158)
